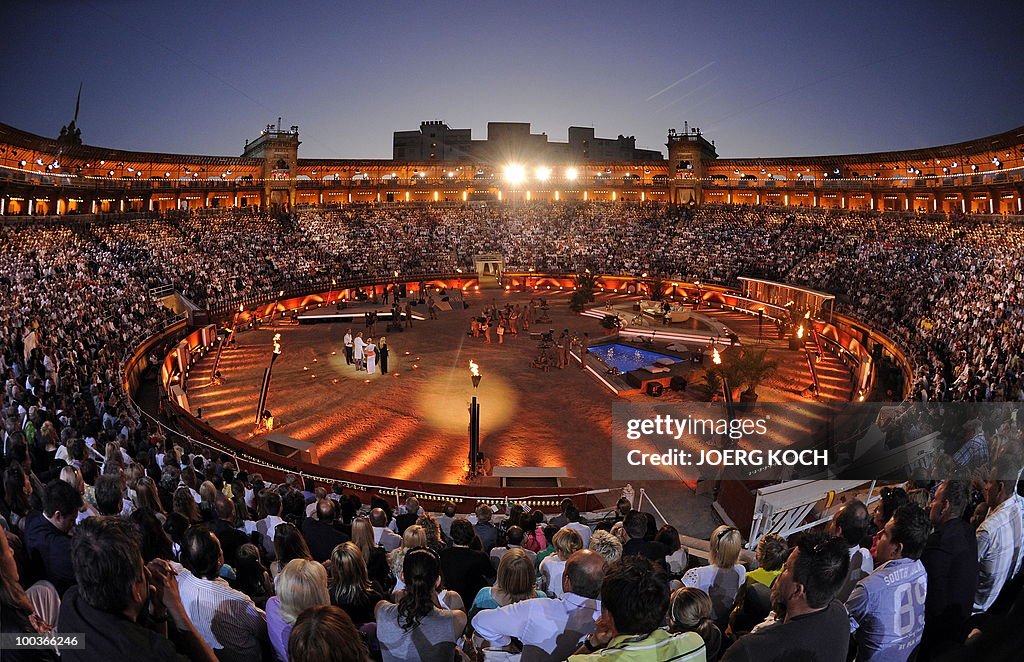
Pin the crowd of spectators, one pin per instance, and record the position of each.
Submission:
(170, 554)
(90, 488)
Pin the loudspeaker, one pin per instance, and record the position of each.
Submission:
(654, 389)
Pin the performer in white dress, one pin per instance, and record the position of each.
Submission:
(370, 351)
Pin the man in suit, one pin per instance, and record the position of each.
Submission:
(320, 532)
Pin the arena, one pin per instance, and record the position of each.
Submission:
(509, 395)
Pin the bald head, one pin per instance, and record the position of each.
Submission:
(584, 572)
(325, 510)
(378, 518)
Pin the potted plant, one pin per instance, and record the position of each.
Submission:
(754, 367)
(578, 301)
(585, 283)
(611, 323)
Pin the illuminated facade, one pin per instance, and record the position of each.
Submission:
(40, 176)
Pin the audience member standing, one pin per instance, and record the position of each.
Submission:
(888, 606)
(999, 537)
(814, 626)
(950, 557)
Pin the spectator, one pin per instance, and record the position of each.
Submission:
(486, 531)
(635, 528)
(288, 545)
(888, 606)
(722, 579)
(634, 602)
(48, 535)
(18, 613)
(516, 581)
(465, 570)
(301, 584)
(446, 519)
(607, 545)
(417, 628)
(950, 558)
(350, 587)
(999, 536)
(382, 535)
(550, 629)
(851, 524)
(376, 558)
(573, 515)
(407, 515)
(814, 625)
(677, 558)
(892, 498)
(109, 601)
(754, 601)
(270, 503)
(513, 540)
(228, 620)
(251, 576)
(567, 542)
(154, 541)
(325, 634)
(690, 611)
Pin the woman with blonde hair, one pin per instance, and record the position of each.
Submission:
(185, 505)
(208, 493)
(722, 579)
(690, 611)
(350, 587)
(566, 541)
(414, 536)
(516, 582)
(147, 497)
(112, 457)
(376, 558)
(302, 584)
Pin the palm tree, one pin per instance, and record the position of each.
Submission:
(586, 282)
(754, 367)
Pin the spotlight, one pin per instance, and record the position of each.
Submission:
(571, 174)
(514, 174)
(542, 173)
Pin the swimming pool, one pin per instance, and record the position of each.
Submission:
(626, 358)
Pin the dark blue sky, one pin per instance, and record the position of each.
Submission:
(761, 78)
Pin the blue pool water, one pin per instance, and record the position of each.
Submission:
(626, 358)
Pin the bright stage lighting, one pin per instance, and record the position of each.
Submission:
(571, 174)
(515, 174)
(542, 173)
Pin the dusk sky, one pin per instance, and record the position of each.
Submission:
(760, 78)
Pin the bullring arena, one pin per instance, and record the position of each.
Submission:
(276, 245)
(156, 310)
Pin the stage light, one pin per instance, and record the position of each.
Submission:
(571, 174)
(514, 174)
(542, 173)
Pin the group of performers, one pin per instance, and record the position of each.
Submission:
(366, 354)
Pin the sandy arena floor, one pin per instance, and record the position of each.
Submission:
(413, 423)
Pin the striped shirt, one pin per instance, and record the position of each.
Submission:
(999, 541)
(226, 619)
